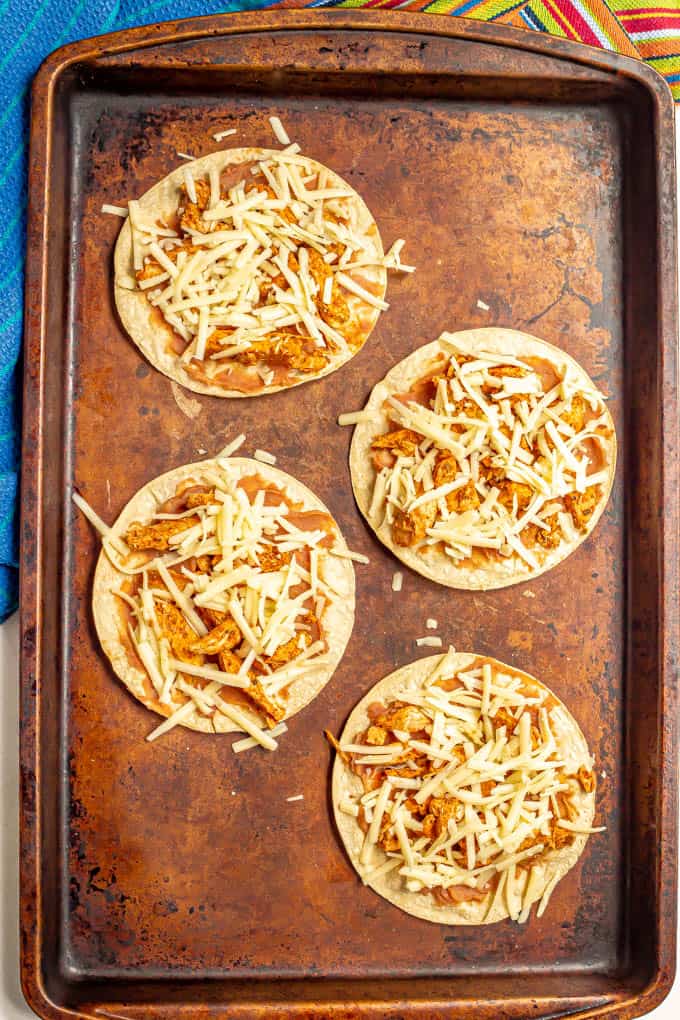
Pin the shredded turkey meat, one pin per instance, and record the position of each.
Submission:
(463, 781)
(218, 601)
(266, 271)
(491, 458)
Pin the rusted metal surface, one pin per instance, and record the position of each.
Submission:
(174, 880)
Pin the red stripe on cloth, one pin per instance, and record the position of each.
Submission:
(557, 15)
(647, 10)
(576, 27)
(635, 25)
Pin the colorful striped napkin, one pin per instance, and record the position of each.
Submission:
(637, 28)
(33, 28)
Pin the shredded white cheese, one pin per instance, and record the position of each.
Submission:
(397, 579)
(247, 743)
(348, 554)
(356, 417)
(115, 210)
(245, 723)
(279, 131)
(265, 457)
(219, 135)
(232, 447)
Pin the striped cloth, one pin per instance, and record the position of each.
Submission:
(632, 27)
(33, 28)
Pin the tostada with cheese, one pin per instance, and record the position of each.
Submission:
(249, 271)
(223, 596)
(484, 458)
(463, 790)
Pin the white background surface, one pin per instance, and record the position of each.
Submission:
(12, 1006)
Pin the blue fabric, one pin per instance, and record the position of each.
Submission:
(34, 28)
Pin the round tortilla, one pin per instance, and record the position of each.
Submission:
(337, 619)
(435, 564)
(152, 334)
(555, 863)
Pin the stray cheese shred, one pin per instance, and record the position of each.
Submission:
(279, 131)
(264, 456)
(219, 135)
(115, 210)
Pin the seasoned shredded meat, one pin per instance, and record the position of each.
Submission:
(377, 736)
(445, 810)
(515, 371)
(586, 778)
(581, 505)
(154, 579)
(225, 635)
(468, 408)
(287, 349)
(402, 441)
(191, 212)
(558, 837)
(260, 184)
(290, 650)
(445, 468)
(199, 564)
(459, 894)
(229, 662)
(387, 840)
(211, 617)
(465, 498)
(407, 718)
(548, 539)
(217, 341)
(503, 718)
(491, 473)
(575, 415)
(273, 711)
(509, 491)
(267, 287)
(156, 536)
(271, 559)
(178, 631)
(336, 312)
(150, 270)
(408, 528)
(195, 499)
(429, 823)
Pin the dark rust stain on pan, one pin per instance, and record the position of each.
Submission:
(175, 879)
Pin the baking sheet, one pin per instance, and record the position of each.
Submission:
(506, 163)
